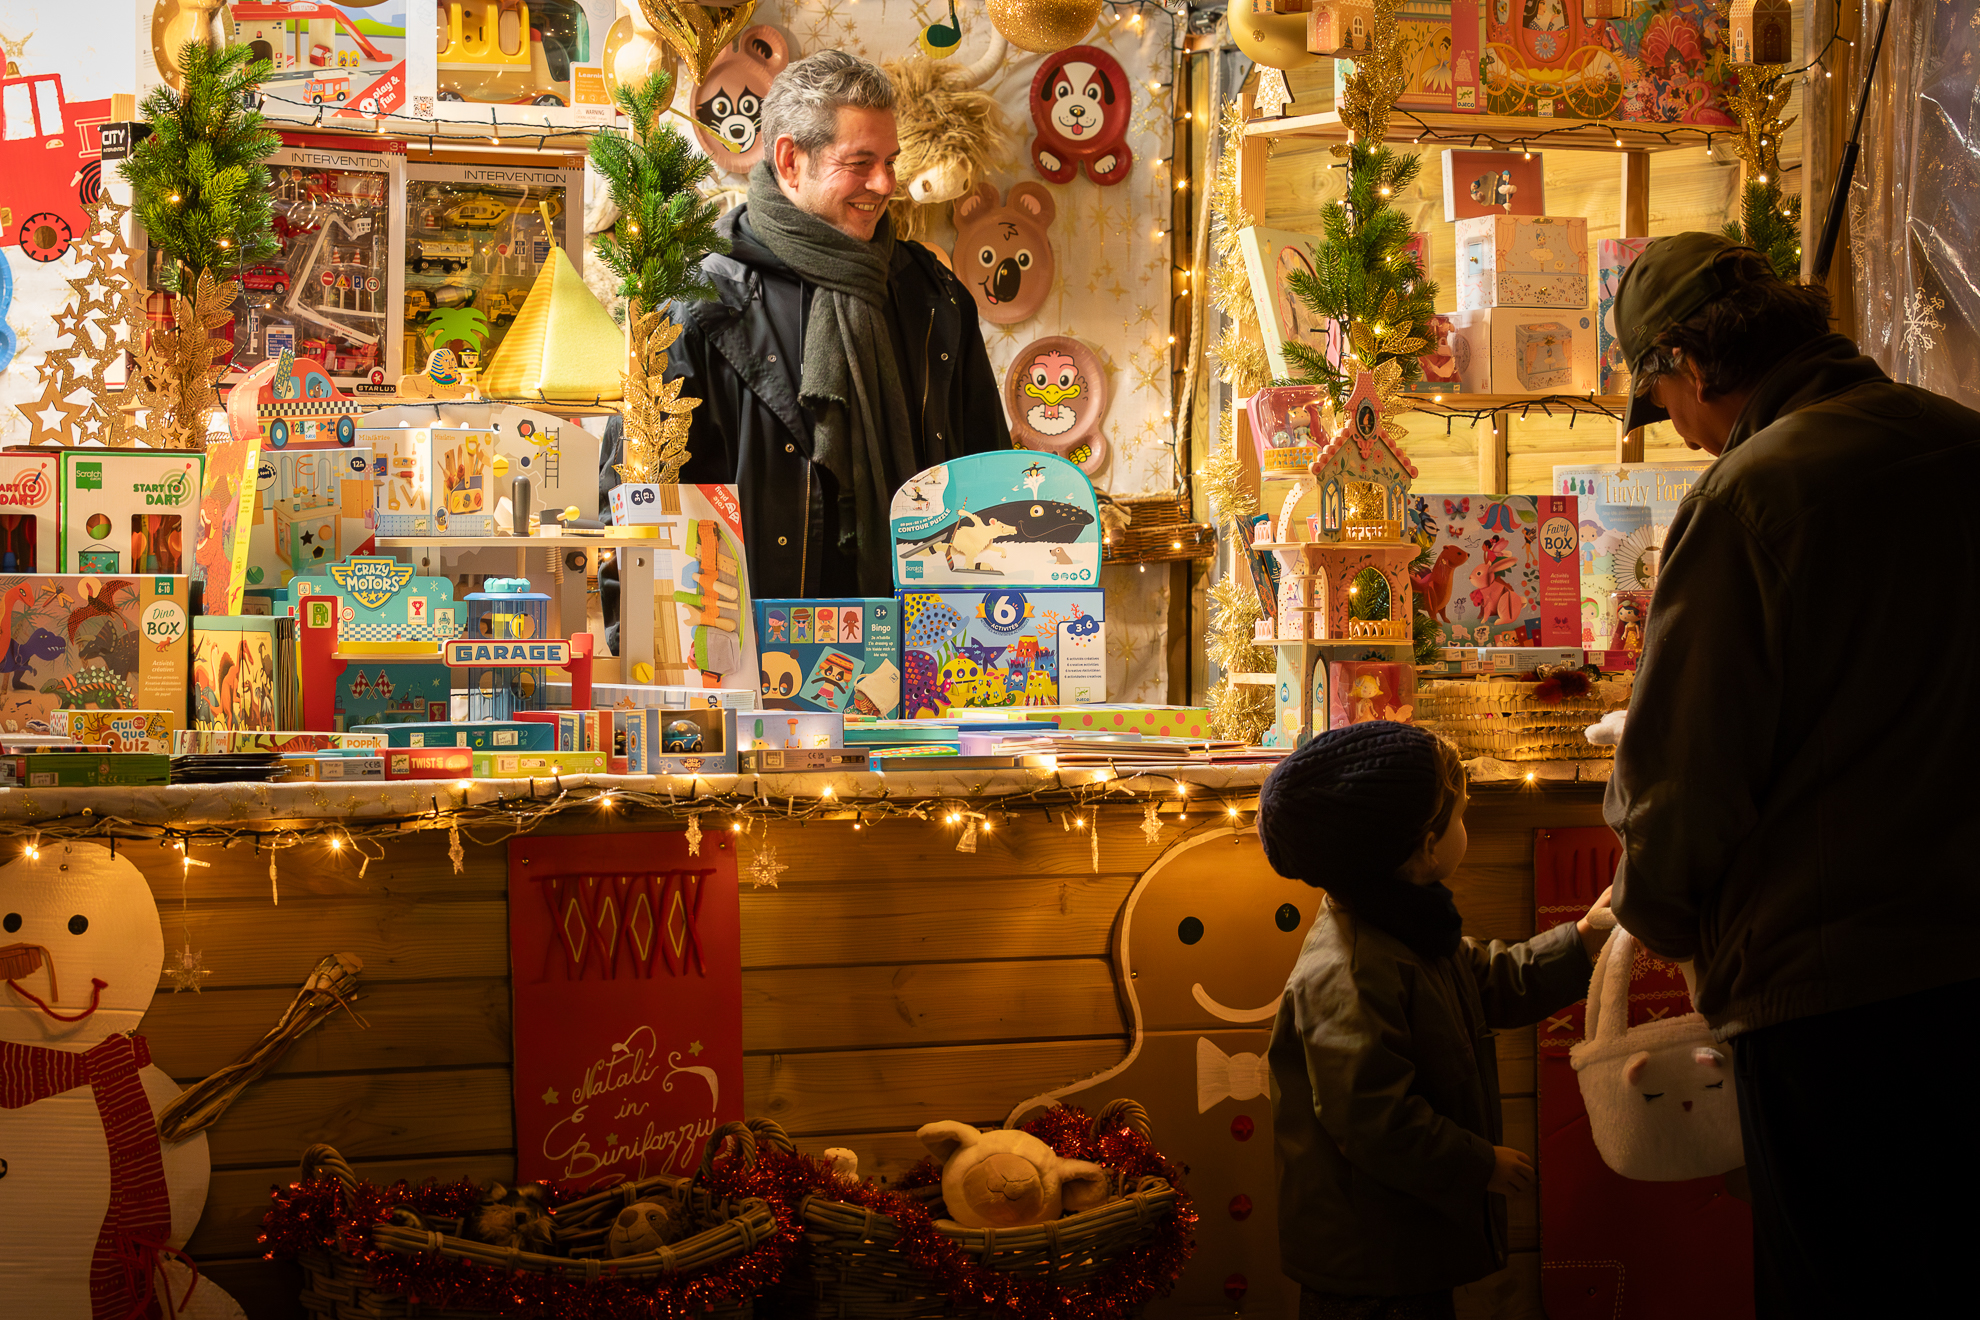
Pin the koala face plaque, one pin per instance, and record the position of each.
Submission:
(1003, 253)
(728, 103)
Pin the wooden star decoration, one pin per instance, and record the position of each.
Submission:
(189, 971)
(764, 868)
(1151, 826)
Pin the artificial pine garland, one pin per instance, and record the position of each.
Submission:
(1772, 224)
(665, 228)
(201, 190)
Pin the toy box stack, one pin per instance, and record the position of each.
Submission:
(1522, 324)
(997, 566)
(838, 655)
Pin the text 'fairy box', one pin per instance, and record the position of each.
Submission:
(830, 654)
(1505, 570)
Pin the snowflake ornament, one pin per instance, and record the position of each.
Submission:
(764, 868)
(189, 971)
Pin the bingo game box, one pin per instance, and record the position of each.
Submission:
(834, 655)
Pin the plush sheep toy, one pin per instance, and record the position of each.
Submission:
(1006, 1179)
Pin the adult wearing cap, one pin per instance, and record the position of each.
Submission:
(1795, 779)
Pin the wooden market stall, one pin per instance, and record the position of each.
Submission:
(888, 979)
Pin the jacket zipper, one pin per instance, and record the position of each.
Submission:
(927, 376)
(804, 546)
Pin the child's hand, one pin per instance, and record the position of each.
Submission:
(1596, 923)
(1511, 1171)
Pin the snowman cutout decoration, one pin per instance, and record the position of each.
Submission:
(94, 1207)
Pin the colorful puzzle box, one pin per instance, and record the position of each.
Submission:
(1001, 647)
(836, 655)
(1505, 570)
(88, 641)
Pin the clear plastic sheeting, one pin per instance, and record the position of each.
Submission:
(1914, 206)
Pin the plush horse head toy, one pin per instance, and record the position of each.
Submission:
(1006, 1178)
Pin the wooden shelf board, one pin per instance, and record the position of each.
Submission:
(1507, 131)
(1469, 403)
(506, 542)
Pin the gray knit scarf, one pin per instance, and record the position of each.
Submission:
(861, 433)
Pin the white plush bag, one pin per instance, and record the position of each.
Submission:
(1660, 1095)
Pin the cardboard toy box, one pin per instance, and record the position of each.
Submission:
(1626, 510)
(480, 736)
(429, 762)
(789, 729)
(1359, 691)
(1438, 44)
(541, 66)
(433, 480)
(539, 765)
(833, 655)
(636, 696)
(30, 525)
(1001, 647)
(701, 629)
(1148, 721)
(76, 642)
(675, 742)
(313, 508)
(334, 769)
(1522, 261)
(1505, 570)
(1509, 350)
(558, 458)
(329, 66)
(1005, 518)
(119, 730)
(1503, 660)
(1613, 256)
(130, 511)
(85, 770)
(575, 730)
(217, 742)
(373, 692)
(778, 760)
(244, 673)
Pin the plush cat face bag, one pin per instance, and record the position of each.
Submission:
(1660, 1098)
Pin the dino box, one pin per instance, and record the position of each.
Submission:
(1009, 518)
(130, 511)
(837, 655)
(1505, 570)
(30, 531)
(434, 480)
(92, 642)
(1001, 648)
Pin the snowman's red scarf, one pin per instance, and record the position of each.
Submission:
(140, 1215)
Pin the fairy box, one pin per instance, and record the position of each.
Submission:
(1613, 256)
(130, 511)
(1010, 517)
(92, 642)
(30, 531)
(834, 655)
(1001, 647)
(313, 507)
(433, 480)
(1511, 350)
(1504, 570)
(1522, 261)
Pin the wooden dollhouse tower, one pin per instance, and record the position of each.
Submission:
(1339, 534)
(1760, 31)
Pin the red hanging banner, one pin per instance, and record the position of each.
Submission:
(626, 958)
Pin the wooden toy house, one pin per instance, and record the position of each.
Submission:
(1759, 31)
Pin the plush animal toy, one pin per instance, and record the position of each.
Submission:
(1081, 102)
(951, 129)
(1006, 1178)
(645, 1226)
(514, 1217)
(94, 1207)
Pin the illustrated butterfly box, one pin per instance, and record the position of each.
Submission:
(1503, 570)
(1010, 518)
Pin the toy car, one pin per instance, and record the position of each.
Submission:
(430, 254)
(417, 302)
(266, 277)
(476, 213)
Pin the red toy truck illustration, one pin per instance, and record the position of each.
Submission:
(51, 164)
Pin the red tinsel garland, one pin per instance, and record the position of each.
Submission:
(326, 1216)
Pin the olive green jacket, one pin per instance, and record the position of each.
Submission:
(1385, 1102)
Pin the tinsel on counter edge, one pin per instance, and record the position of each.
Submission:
(325, 1216)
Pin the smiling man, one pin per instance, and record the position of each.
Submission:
(834, 362)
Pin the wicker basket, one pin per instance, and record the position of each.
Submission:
(851, 1267)
(339, 1287)
(1505, 719)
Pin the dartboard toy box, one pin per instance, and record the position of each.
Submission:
(130, 511)
(30, 530)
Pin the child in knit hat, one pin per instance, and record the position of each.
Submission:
(1385, 1086)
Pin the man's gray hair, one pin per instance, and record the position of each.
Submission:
(804, 100)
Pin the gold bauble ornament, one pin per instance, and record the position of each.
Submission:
(1044, 26)
(1278, 41)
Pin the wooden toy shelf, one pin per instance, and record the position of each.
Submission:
(1413, 127)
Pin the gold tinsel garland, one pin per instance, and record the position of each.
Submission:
(656, 417)
(174, 371)
(1369, 93)
(1757, 102)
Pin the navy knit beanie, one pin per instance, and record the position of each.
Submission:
(1351, 805)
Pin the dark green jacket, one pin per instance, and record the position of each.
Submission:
(1795, 787)
(1385, 1102)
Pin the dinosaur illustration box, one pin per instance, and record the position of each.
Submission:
(130, 511)
(1505, 570)
(30, 531)
(1001, 647)
(92, 642)
(1008, 518)
(244, 673)
(836, 655)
